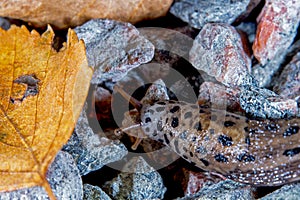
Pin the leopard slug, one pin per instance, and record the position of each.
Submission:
(258, 152)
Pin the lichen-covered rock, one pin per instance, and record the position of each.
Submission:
(199, 12)
(64, 179)
(91, 192)
(277, 27)
(91, 151)
(218, 50)
(137, 181)
(113, 48)
(291, 191)
(227, 189)
(288, 84)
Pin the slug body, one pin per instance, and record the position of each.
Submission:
(258, 152)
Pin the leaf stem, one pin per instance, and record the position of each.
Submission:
(49, 190)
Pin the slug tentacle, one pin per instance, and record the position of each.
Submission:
(139, 137)
(137, 104)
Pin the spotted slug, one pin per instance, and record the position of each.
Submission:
(258, 152)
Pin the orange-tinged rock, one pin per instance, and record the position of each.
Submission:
(62, 14)
(219, 51)
(276, 30)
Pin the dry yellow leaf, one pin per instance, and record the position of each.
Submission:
(42, 92)
(67, 13)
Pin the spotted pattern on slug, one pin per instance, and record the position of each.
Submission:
(258, 152)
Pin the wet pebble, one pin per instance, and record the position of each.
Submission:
(172, 44)
(209, 54)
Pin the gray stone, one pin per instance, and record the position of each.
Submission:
(227, 189)
(91, 151)
(272, 46)
(249, 28)
(264, 74)
(4, 23)
(64, 180)
(91, 192)
(137, 181)
(288, 82)
(169, 44)
(218, 50)
(156, 92)
(199, 12)
(187, 30)
(113, 48)
(252, 4)
(290, 192)
(171, 49)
